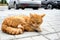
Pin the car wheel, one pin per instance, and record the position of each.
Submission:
(23, 8)
(9, 8)
(36, 8)
(45, 8)
(49, 6)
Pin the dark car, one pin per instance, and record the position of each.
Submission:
(58, 4)
(50, 4)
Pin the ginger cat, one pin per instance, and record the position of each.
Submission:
(18, 24)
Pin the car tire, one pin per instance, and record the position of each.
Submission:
(9, 8)
(49, 6)
(45, 8)
(35, 8)
(23, 8)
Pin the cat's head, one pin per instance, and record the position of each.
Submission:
(36, 20)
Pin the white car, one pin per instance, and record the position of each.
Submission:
(24, 4)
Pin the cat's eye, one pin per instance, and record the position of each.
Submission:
(33, 22)
(38, 22)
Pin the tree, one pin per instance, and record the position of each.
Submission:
(3, 1)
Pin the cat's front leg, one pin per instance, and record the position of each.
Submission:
(21, 28)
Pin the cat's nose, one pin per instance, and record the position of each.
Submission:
(36, 30)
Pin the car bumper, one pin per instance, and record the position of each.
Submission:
(28, 5)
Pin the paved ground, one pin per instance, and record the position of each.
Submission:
(50, 26)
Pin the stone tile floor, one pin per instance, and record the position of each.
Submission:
(50, 26)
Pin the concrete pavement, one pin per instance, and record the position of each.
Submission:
(50, 26)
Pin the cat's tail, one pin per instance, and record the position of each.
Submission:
(10, 30)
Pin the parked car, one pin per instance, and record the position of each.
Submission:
(58, 4)
(50, 4)
(24, 4)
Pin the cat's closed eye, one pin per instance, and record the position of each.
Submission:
(33, 22)
(38, 22)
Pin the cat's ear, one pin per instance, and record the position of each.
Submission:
(42, 15)
(31, 15)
